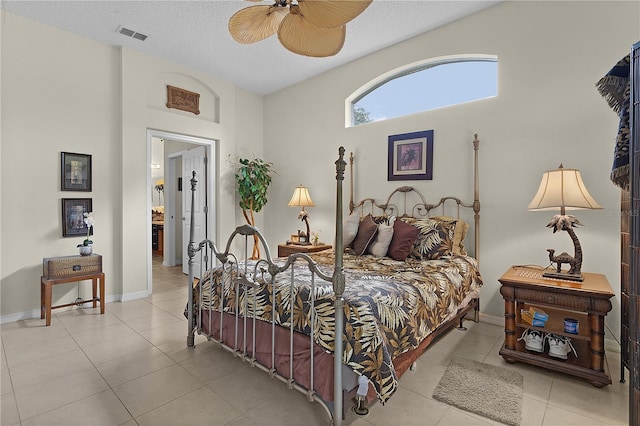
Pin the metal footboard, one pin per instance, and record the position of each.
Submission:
(244, 279)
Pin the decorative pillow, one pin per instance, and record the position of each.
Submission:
(459, 234)
(404, 235)
(350, 229)
(435, 239)
(366, 232)
(380, 244)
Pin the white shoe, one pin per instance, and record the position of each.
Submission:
(533, 340)
(560, 346)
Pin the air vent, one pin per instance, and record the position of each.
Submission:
(139, 36)
(130, 33)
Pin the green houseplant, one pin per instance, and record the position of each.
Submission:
(253, 178)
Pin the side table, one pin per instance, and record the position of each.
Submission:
(587, 301)
(66, 269)
(284, 250)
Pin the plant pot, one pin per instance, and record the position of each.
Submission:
(85, 250)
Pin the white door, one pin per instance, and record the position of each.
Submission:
(193, 160)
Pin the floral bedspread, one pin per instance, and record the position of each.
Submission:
(390, 306)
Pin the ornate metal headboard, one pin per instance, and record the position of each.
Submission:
(408, 201)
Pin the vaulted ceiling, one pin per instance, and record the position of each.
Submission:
(195, 33)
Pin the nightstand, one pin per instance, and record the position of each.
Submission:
(587, 301)
(284, 250)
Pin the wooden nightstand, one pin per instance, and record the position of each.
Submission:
(284, 250)
(588, 302)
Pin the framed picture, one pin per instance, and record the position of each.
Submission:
(73, 210)
(75, 172)
(411, 156)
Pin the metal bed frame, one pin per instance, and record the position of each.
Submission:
(248, 277)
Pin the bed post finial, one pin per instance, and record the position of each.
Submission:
(341, 165)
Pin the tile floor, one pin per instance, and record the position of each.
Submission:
(131, 366)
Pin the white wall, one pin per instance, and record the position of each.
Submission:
(547, 111)
(61, 92)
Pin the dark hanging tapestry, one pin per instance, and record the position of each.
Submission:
(616, 89)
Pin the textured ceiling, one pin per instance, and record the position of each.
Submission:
(194, 33)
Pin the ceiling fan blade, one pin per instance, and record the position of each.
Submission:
(255, 23)
(300, 36)
(332, 13)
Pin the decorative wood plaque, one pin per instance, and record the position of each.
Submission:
(183, 99)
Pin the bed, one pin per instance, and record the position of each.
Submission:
(403, 279)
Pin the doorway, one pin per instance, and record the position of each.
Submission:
(176, 187)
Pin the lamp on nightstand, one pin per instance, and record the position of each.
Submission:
(301, 198)
(563, 188)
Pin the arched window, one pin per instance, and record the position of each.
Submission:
(424, 86)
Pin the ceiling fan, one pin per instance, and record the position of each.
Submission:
(314, 28)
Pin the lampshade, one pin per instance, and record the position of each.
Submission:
(301, 198)
(562, 188)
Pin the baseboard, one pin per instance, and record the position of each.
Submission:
(133, 296)
(35, 313)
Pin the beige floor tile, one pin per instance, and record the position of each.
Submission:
(556, 416)
(155, 319)
(200, 407)
(134, 365)
(49, 368)
(5, 382)
(455, 417)
(45, 396)
(241, 421)
(103, 408)
(214, 364)
(79, 320)
(178, 350)
(171, 294)
(25, 332)
(116, 348)
(173, 306)
(289, 407)
(424, 379)
(103, 334)
(246, 387)
(8, 409)
(533, 411)
(407, 408)
(170, 333)
(579, 396)
(37, 351)
(156, 389)
(5, 378)
(131, 309)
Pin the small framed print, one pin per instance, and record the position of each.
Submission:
(73, 210)
(411, 156)
(75, 172)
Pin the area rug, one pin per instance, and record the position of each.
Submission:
(488, 390)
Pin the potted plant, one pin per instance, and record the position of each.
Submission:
(253, 178)
(86, 247)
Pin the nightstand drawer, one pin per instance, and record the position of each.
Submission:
(554, 299)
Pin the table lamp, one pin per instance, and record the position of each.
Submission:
(564, 189)
(301, 198)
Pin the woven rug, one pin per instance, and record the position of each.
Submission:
(490, 391)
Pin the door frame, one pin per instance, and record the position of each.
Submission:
(170, 193)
